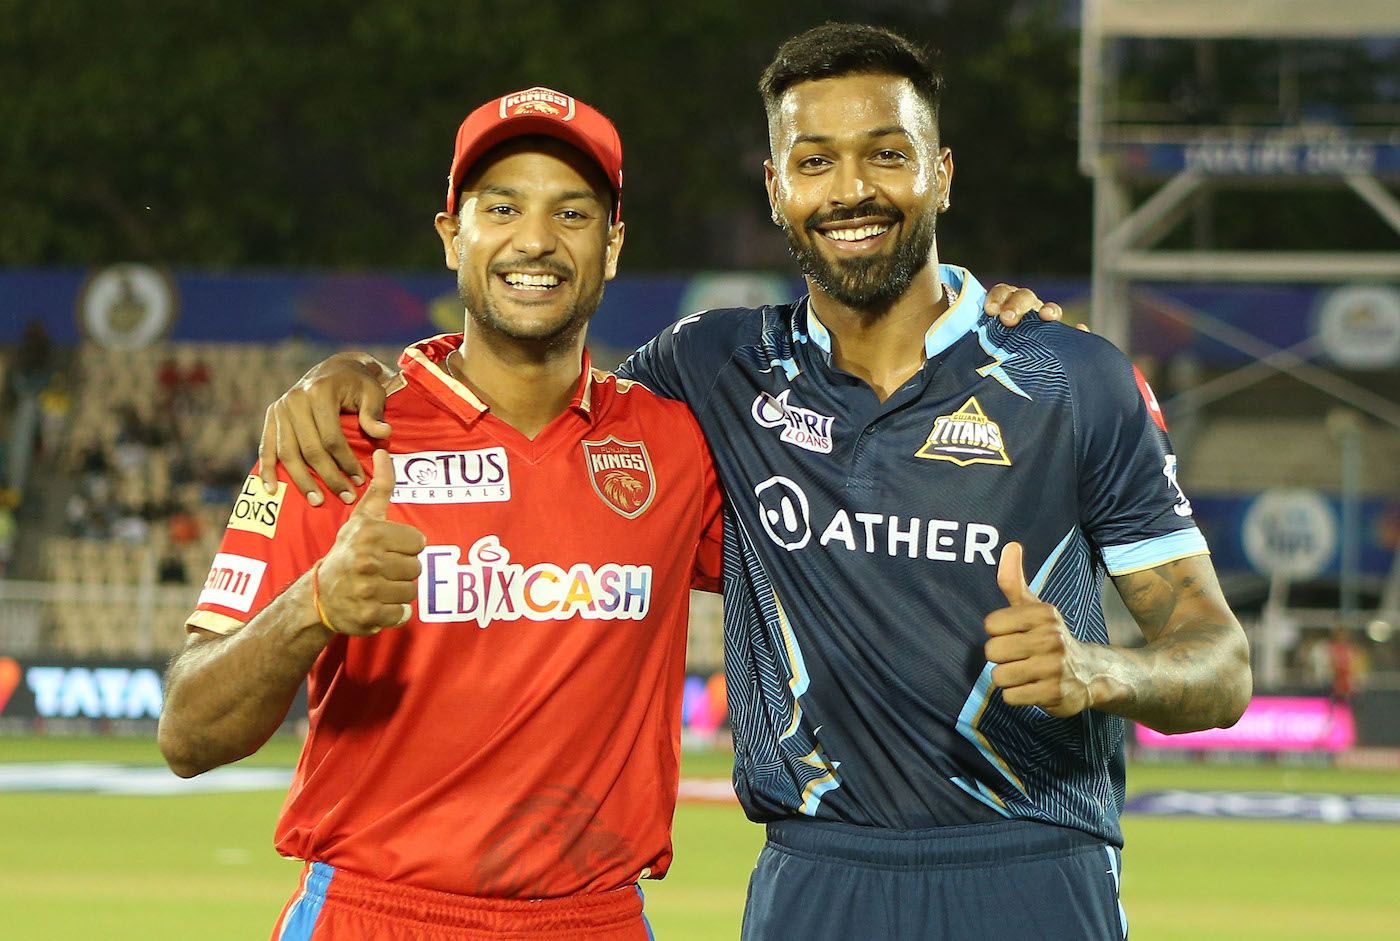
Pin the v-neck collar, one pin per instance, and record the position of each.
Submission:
(422, 363)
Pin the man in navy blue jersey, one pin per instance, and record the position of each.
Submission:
(923, 504)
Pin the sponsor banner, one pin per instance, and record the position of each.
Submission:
(127, 307)
(88, 777)
(1296, 533)
(1276, 156)
(1273, 724)
(339, 309)
(122, 696)
(707, 791)
(47, 689)
(704, 706)
(1267, 805)
(1355, 326)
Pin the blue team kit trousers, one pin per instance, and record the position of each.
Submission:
(1008, 881)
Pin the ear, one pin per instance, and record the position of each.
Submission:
(770, 183)
(613, 250)
(943, 176)
(448, 229)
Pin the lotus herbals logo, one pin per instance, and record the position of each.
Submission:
(965, 437)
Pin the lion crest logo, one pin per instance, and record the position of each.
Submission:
(621, 474)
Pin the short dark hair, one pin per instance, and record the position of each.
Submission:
(836, 49)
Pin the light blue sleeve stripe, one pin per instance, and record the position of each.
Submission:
(1113, 864)
(301, 920)
(1150, 553)
(977, 793)
(645, 921)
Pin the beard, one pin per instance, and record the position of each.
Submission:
(866, 284)
(558, 332)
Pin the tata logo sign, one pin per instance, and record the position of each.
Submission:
(95, 692)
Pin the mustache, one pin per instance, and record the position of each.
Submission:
(850, 213)
(537, 266)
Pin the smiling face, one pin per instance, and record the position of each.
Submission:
(532, 244)
(856, 180)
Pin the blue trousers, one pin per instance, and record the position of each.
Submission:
(1006, 881)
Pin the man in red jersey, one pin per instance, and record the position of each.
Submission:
(493, 636)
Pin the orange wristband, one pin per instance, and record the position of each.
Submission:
(316, 598)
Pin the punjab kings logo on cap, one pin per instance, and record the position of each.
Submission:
(621, 474)
(538, 100)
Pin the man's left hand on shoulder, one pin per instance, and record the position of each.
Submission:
(1038, 662)
(1011, 304)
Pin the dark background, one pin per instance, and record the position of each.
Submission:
(317, 134)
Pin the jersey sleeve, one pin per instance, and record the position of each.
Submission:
(271, 539)
(683, 361)
(1132, 507)
(709, 553)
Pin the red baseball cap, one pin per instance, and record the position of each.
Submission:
(538, 110)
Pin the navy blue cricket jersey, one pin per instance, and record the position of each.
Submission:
(861, 549)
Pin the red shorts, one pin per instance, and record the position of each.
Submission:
(334, 905)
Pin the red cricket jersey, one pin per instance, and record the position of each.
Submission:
(519, 737)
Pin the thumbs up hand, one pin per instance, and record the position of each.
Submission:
(1038, 661)
(368, 581)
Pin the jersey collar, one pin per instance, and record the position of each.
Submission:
(422, 363)
(962, 316)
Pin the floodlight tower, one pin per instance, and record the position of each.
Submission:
(1185, 161)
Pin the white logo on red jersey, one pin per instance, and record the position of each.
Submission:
(233, 581)
(487, 586)
(621, 474)
(451, 477)
(801, 426)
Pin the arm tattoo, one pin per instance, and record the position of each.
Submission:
(1194, 671)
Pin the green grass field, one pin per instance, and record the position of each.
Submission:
(121, 868)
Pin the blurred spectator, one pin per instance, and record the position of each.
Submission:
(87, 516)
(8, 501)
(298, 354)
(171, 571)
(184, 383)
(132, 439)
(55, 403)
(183, 527)
(130, 526)
(33, 361)
(30, 375)
(1346, 661)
